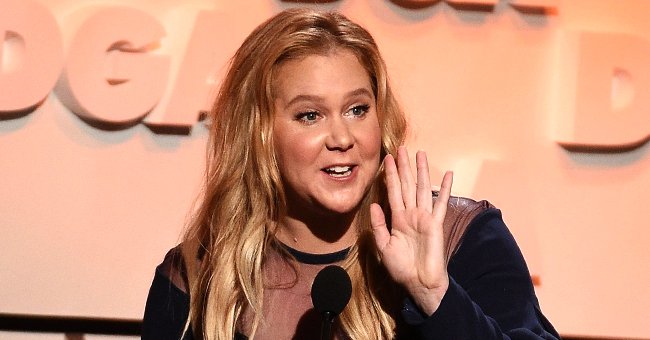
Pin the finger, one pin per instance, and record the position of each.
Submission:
(406, 177)
(440, 208)
(379, 228)
(423, 189)
(393, 185)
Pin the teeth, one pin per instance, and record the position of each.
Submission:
(339, 171)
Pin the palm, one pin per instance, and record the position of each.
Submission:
(413, 250)
(410, 253)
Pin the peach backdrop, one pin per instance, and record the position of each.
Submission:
(86, 212)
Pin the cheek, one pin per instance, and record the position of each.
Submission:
(371, 140)
(294, 150)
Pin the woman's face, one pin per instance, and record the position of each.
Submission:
(326, 131)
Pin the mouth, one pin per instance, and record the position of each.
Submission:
(338, 171)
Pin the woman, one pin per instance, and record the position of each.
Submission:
(301, 174)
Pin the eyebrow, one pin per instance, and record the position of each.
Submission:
(308, 97)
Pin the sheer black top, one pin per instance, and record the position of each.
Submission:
(490, 295)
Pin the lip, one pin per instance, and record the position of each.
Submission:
(351, 165)
(353, 171)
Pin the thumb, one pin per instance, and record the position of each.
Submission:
(379, 227)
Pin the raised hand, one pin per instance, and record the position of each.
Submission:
(413, 250)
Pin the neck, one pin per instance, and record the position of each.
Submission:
(318, 234)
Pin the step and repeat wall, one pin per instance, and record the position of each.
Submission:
(541, 107)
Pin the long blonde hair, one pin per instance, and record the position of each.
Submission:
(243, 196)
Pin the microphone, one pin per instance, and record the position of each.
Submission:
(330, 293)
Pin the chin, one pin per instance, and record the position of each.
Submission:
(341, 210)
(339, 207)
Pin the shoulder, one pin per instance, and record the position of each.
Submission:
(488, 232)
(167, 306)
(173, 268)
(476, 235)
(462, 212)
(487, 246)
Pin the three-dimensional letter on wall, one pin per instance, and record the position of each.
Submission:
(606, 91)
(191, 86)
(31, 55)
(110, 78)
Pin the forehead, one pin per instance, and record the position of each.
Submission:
(338, 69)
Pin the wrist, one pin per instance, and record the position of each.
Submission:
(428, 298)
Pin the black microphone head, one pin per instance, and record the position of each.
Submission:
(331, 290)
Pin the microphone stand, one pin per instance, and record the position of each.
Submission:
(326, 326)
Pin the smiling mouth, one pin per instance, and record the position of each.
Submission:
(339, 171)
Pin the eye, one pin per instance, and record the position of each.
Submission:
(359, 110)
(308, 117)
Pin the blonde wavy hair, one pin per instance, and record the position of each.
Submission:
(243, 199)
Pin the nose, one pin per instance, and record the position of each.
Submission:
(340, 137)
